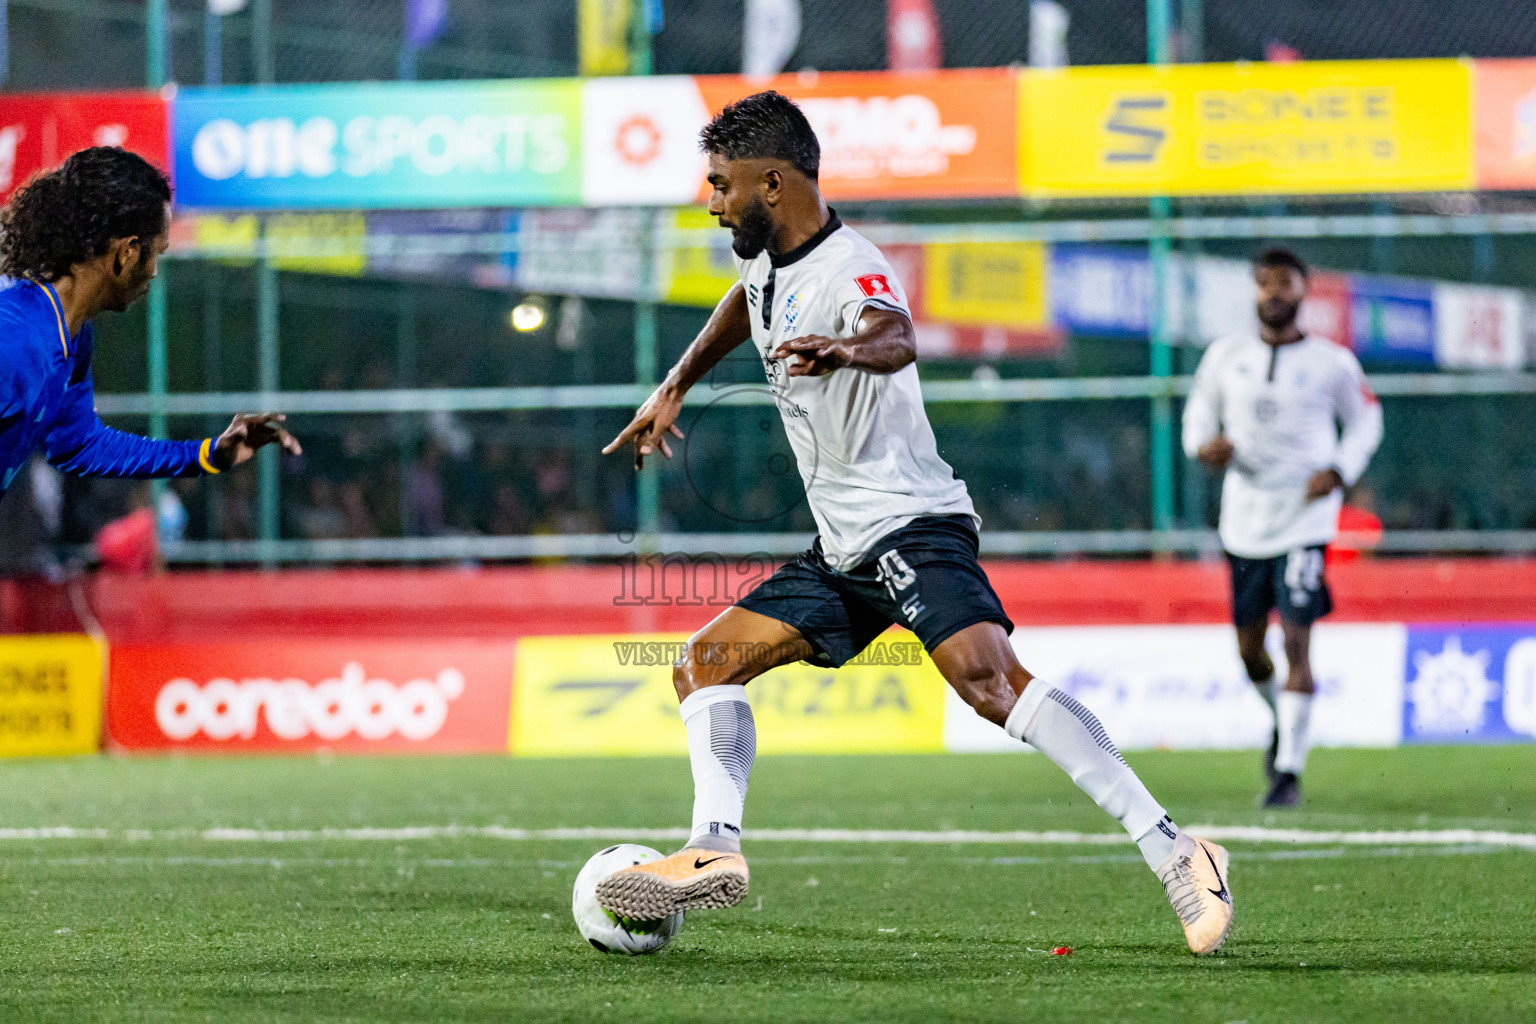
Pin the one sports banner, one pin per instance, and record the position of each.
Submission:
(1246, 129)
(38, 131)
(375, 696)
(379, 145)
(50, 694)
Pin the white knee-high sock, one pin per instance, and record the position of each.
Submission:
(1267, 690)
(722, 741)
(1069, 734)
(1293, 713)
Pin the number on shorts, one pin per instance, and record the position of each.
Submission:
(896, 573)
(1303, 573)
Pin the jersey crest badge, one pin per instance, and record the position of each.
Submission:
(874, 285)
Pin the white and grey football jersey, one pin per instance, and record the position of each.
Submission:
(865, 450)
(1289, 412)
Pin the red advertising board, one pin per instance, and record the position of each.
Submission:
(1325, 311)
(278, 694)
(38, 131)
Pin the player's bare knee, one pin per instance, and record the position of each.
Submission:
(987, 690)
(688, 675)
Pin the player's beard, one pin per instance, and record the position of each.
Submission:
(753, 230)
(1277, 314)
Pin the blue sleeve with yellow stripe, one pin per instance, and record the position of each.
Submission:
(78, 443)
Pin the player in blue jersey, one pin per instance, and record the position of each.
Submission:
(83, 238)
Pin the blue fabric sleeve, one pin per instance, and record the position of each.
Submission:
(80, 444)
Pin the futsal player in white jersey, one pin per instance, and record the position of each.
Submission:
(1291, 420)
(897, 536)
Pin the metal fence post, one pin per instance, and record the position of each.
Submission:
(268, 479)
(1158, 247)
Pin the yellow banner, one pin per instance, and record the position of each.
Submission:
(698, 271)
(341, 233)
(987, 283)
(1234, 129)
(602, 36)
(589, 695)
(50, 694)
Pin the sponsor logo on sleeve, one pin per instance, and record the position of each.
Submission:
(875, 286)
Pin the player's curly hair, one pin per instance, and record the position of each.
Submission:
(72, 213)
(1275, 256)
(764, 125)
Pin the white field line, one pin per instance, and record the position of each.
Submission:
(409, 865)
(1226, 833)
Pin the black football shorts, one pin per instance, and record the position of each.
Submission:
(1292, 583)
(924, 576)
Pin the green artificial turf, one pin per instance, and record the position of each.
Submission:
(170, 925)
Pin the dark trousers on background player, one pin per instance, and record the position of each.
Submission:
(1294, 585)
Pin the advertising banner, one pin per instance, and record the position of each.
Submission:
(1101, 290)
(1183, 687)
(1002, 283)
(1505, 104)
(1479, 328)
(593, 695)
(1470, 684)
(50, 694)
(892, 136)
(39, 131)
(1326, 309)
(373, 145)
(697, 270)
(1393, 320)
(291, 695)
(1243, 129)
(585, 252)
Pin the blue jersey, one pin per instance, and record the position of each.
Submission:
(46, 400)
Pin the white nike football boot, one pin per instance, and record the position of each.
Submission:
(690, 879)
(1195, 879)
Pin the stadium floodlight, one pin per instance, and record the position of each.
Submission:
(527, 316)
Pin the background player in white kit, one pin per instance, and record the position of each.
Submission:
(1290, 418)
(897, 534)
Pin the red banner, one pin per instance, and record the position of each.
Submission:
(359, 696)
(39, 131)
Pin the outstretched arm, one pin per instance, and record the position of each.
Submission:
(883, 342)
(727, 328)
(79, 444)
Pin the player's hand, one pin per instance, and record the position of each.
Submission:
(816, 355)
(1323, 484)
(1216, 452)
(249, 432)
(649, 429)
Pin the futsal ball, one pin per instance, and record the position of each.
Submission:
(610, 933)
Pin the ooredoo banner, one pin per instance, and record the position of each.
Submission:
(386, 697)
(38, 131)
